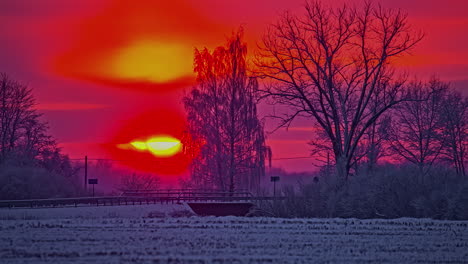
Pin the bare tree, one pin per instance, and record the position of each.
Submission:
(222, 113)
(332, 66)
(28, 154)
(22, 133)
(370, 149)
(454, 113)
(415, 131)
(15, 112)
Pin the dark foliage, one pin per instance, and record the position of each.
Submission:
(389, 192)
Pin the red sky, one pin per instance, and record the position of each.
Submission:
(88, 61)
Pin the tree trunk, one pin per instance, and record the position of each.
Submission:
(342, 167)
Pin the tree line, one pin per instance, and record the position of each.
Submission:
(333, 67)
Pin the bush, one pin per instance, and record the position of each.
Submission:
(32, 182)
(387, 192)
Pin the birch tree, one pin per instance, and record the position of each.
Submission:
(222, 113)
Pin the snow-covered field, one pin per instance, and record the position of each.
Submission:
(154, 234)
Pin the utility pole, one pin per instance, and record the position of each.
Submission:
(86, 174)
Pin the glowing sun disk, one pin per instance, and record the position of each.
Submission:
(153, 61)
(161, 146)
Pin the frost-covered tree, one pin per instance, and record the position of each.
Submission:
(222, 114)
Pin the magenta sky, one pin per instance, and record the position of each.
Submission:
(82, 113)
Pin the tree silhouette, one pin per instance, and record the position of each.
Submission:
(22, 134)
(454, 114)
(332, 66)
(415, 133)
(222, 114)
(31, 165)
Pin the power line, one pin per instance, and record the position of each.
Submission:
(290, 158)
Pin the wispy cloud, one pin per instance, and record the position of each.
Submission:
(68, 106)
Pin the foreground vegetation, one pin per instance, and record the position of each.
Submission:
(136, 239)
(388, 191)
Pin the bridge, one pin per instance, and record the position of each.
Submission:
(140, 197)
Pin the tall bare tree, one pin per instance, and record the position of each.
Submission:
(31, 165)
(454, 113)
(22, 133)
(332, 65)
(415, 133)
(222, 113)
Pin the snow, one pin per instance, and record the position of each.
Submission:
(87, 212)
(131, 234)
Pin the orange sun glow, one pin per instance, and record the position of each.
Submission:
(154, 141)
(159, 146)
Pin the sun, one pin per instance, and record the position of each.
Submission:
(154, 141)
(164, 146)
(159, 146)
(152, 61)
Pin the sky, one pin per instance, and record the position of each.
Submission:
(98, 66)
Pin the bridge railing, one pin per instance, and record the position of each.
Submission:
(142, 197)
(184, 193)
(123, 200)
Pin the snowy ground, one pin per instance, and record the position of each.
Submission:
(153, 234)
(92, 212)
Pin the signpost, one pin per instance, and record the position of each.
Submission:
(93, 182)
(274, 179)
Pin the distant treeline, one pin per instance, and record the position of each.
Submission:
(389, 191)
